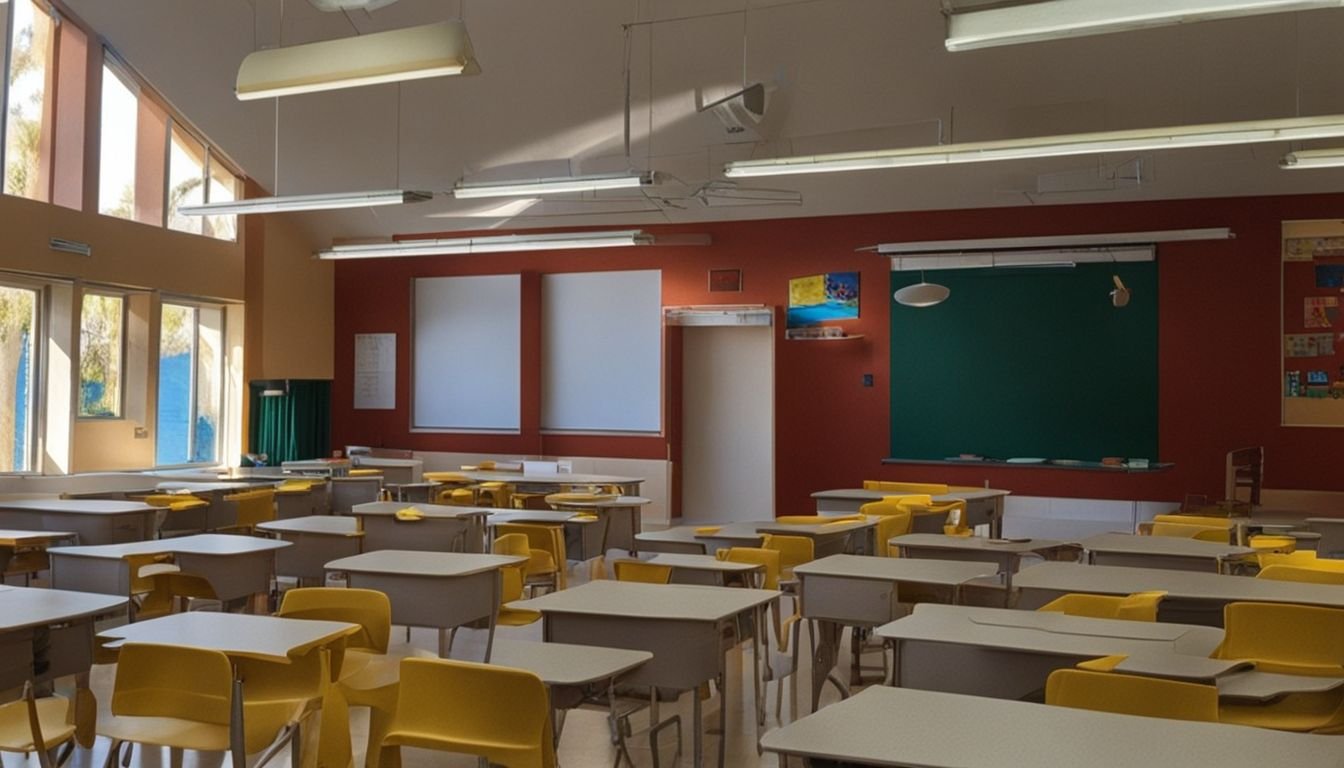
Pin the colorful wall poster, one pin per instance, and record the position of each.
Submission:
(817, 298)
(1308, 248)
(1309, 345)
(1320, 311)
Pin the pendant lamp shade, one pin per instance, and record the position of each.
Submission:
(922, 294)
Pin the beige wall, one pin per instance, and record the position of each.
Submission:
(298, 306)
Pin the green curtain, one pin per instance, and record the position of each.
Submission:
(292, 427)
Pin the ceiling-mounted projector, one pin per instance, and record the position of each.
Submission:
(739, 111)
(350, 5)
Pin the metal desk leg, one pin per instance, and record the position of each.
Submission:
(237, 742)
(697, 731)
(496, 590)
(824, 657)
(723, 715)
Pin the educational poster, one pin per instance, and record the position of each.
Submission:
(376, 371)
(1308, 248)
(1309, 345)
(1330, 275)
(1320, 311)
(818, 298)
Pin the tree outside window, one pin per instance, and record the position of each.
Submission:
(100, 333)
(18, 323)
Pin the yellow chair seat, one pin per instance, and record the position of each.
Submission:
(54, 718)
(1140, 606)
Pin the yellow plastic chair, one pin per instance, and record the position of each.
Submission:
(254, 508)
(497, 713)
(179, 697)
(458, 497)
(1199, 532)
(1132, 695)
(1303, 558)
(172, 591)
(493, 494)
(1305, 575)
(513, 578)
(1266, 542)
(546, 565)
(1140, 606)
(364, 472)
(640, 571)
(37, 725)
(932, 489)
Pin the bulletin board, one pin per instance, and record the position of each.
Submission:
(1313, 330)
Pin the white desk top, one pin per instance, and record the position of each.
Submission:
(78, 506)
(565, 664)
(813, 529)
(22, 607)
(237, 634)
(552, 516)
(976, 543)
(685, 602)
(703, 563)
(332, 525)
(1120, 580)
(548, 478)
(220, 544)
(677, 533)
(402, 562)
(216, 487)
(1051, 633)
(954, 493)
(1175, 546)
(906, 727)
(619, 502)
(914, 570)
(446, 511)
(13, 538)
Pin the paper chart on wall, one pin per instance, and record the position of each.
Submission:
(1309, 345)
(376, 371)
(1320, 311)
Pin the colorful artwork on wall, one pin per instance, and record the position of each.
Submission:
(816, 299)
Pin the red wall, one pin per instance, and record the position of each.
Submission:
(1218, 346)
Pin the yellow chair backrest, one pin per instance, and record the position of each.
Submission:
(511, 544)
(142, 583)
(1302, 558)
(1132, 695)
(1209, 520)
(546, 548)
(177, 502)
(1283, 637)
(173, 681)
(1140, 606)
(1201, 532)
(793, 551)
(934, 489)
(368, 608)
(889, 527)
(766, 557)
(1304, 575)
(1274, 543)
(498, 713)
(638, 570)
(254, 507)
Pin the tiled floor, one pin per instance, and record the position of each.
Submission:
(585, 741)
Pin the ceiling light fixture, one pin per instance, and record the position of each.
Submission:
(1179, 137)
(1056, 19)
(555, 186)
(922, 294)
(505, 244)
(322, 202)
(412, 53)
(1305, 159)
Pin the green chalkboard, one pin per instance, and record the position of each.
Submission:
(1027, 362)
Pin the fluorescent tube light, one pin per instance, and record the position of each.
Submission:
(412, 53)
(1313, 158)
(1178, 137)
(323, 202)
(1055, 19)
(490, 244)
(1052, 242)
(554, 186)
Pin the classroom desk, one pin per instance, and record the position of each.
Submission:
(1192, 598)
(685, 539)
(706, 569)
(1006, 553)
(263, 638)
(236, 566)
(621, 519)
(220, 513)
(1171, 552)
(440, 590)
(903, 727)
(984, 506)
(1008, 654)
(682, 625)
(421, 492)
(398, 471)
(443, 528)
(316, 540)
(583, 532)
(551, 482)
(97, 521)
(327, 467)
(850, 536)
(1331, 530)
(859, 591)
(12, 541)
(67, 618)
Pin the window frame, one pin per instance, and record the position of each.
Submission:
(221, 370)
(37, 375)
(121, 357)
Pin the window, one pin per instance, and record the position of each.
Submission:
(223, 188)
(101, 319)
(116, 165)
(27, 114)
(18, 355)
(190, 384)
(186, 180)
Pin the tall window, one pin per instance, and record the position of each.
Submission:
(32, 42)
(186, 180)
(101, 320)
(116, 165)
(18, 353)
(223, 188)
(190, 384)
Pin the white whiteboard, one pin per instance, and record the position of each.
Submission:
(602, 351)
(467, 346)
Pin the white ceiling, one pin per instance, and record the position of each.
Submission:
(847, 74)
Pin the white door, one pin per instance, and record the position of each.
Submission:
(728, 424)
